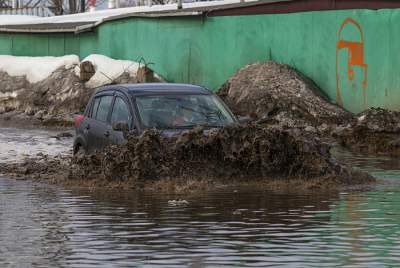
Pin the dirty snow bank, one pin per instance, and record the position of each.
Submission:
(52, 89)
(234, 154)
(108, 69)
(276, 92)
(35, 69)
(375, 131)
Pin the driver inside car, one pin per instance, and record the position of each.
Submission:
(186, 114)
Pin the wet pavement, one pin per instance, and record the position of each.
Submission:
(49, 226)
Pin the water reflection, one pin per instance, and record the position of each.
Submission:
(379, 166)
(46, 226)
(81, 229)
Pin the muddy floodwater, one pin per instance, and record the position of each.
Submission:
(45, 225)
(16, 144)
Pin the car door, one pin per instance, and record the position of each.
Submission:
(82, 130)
(121, 112)
(98, 132)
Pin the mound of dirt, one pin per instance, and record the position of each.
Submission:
(52, 100)
(375, 131)
(379, 120)
(277, 92)
(235, 152)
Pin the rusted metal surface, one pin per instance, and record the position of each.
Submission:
(305, 5)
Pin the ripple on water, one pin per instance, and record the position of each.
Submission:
(17, 144)
(49, 226)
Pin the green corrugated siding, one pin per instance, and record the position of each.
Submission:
(5, 44)
(30, 45)
(72, 44)
(56, 45)
(208, 50)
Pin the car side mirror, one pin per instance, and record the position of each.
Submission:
(120, 126)
(244, 119)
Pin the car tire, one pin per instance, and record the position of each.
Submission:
(80, 151)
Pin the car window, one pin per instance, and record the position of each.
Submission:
(89, 108)
(104, 107)
(120, 112)
(95, 106)
(172, 111)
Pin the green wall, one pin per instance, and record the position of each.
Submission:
(207, 51)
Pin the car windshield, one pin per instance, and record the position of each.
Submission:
(182, 111)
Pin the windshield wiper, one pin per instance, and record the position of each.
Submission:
(186, 126)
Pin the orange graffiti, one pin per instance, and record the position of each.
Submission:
(355, 57)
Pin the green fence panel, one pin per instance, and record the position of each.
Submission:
(351, 54)
(5, 44)
(87, 44)
(30, 45)
(72, 44)
(56, 44)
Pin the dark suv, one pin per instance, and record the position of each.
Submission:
(115, 109)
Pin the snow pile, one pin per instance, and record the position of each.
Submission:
(108, 69)
(8, 95)
(35, 69)
(101, 15)
(17, 19)
(53, 88)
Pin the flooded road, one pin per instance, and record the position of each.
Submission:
(16, 144)
(48, 226)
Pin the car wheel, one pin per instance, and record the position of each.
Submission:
(80, 151)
